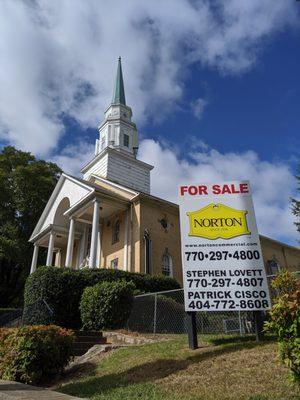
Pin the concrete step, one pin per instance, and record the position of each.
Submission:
(84, 340)
(92, 339)
(89, 333)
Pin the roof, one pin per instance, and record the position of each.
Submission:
(119, 92)
(279, 242)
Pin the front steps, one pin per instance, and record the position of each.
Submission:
(84, 340)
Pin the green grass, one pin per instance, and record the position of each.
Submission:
(222, 369)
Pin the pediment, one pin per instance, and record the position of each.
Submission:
(68, 190)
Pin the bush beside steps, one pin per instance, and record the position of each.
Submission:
(32, 354)
(106, 305)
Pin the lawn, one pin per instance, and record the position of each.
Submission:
(222, 369)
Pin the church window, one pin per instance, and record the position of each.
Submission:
(116, 231)
(125, 140)
(167, 269)
(273, 267)
(114, 263)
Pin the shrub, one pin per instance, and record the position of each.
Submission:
(33, 353)
(284, 321)
(62, 289)
(106, 305)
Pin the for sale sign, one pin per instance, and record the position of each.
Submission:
(222, 261)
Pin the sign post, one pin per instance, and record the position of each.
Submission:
(192, 330)
(223, 268)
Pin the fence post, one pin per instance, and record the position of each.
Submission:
(155, 313)
(240, 323)
(192, 330)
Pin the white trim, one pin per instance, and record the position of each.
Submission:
(51, 200)
(34, 258)
(70, 245)
(95, 229)
(50, 249)
(48, 206)
(99, 247)
(125, 262)
(120, 154)
(125, 189)
(82, 200)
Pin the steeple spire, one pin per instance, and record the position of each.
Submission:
(119, 93)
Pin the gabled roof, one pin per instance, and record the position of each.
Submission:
(83, 184)
(109, 191)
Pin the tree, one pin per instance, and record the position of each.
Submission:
(296, 205)
(25, 187)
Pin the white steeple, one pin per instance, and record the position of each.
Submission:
(117, 146)
(117, 130)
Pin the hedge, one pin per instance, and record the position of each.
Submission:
(62, 289)
(106, 305)
(31, 354)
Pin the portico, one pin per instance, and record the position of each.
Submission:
(73, 237)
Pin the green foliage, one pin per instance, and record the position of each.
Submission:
(284, 321)
(62, 289)
(296, 204)
(284, 283)
(106, 305)
(25, 187)
(34, 353)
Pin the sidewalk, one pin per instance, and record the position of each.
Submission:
(13, 390)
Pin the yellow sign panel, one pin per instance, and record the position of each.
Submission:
(218, 221)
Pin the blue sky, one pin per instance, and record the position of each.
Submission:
(258, 110)
(214, 88)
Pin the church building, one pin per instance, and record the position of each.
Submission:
(109, 219)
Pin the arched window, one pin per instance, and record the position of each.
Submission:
(273, 267)
(167, 267)
(116, 231)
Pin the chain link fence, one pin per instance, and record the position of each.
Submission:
(164, 312)
(40, 310)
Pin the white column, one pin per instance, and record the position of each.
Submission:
(70, 244)
(34, 258)
(50, 249)
(125, 261)
(58, 258)
(82, 246)
(99, 247)
(95, 230)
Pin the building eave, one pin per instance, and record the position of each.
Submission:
(118, 153)
(279, 242)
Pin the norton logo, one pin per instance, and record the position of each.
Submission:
(218, 221)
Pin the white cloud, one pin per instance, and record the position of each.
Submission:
(58, 57)
(198, 106)
(272, 182)
(72, 158)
